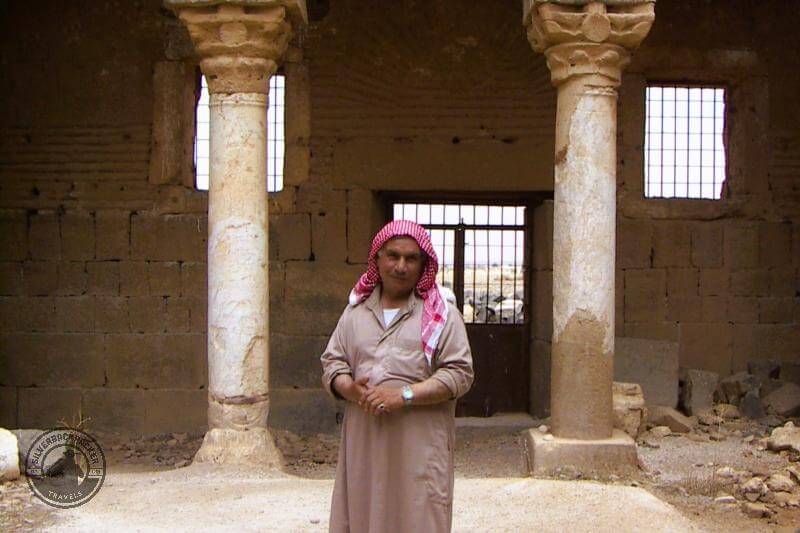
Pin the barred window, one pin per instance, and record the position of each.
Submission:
(481, 256)
(684, 141)
(275, 135)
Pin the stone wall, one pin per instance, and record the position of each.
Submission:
(102, 237)
(102, 253)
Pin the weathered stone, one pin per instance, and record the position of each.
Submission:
(725, 472)
(780, 483)
(784, 401)
(783, 499)
(112, 234)
(750, 406)
(651, 363)
(754, 485)
(238, 65)
(45, 407)
(697, 390)
(584, 224)
(732, 388)
(756, 510)
(25, 438)
(764, 368)
(254, 446)
(785, 438)
(659, 415)
(548, 455)
(628, 407)
(727, 411)
(708, 418)
(650, 441)
(9, 456)
(769, 386)
(794, 473)
(723, 498)
(660, 431)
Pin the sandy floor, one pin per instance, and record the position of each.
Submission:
(145, 491)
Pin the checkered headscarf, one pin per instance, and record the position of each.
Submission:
(434, 309)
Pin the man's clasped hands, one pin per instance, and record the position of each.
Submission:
(374, 400)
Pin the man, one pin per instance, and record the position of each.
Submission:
(400, 357)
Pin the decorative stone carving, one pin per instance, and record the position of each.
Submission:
(587, 37)
(587, 45)
(240, 43)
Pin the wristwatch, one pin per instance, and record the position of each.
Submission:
(408, 395)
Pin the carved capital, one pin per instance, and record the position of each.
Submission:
(240, 43)
(584, 37)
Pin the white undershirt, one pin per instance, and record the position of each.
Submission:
(388, 315)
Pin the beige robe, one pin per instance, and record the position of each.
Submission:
(395, 472)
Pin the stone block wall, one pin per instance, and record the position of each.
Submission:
(102, 243)
(103, 237)
(103, 308)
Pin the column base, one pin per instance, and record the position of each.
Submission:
(230, 446)
(548, 455)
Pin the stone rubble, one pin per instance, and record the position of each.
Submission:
(726, 411)
(732, 388)
(784, 401)
(629, 407)
(9, 456)
(756, 510)
(785, 438)
(697, 390)
(764, 368)
(780, 483)
(750, 406)
(667, 416)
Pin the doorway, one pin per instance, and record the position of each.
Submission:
(484, 253)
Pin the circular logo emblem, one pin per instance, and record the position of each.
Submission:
(65, 467)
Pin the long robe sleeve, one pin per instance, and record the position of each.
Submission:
(453, 363)
(335, 359)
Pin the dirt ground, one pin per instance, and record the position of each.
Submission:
(151, 485)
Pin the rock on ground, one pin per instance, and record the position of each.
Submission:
(732, 388)
(9, 456)
(697, 390)
(785, 438)
(756, 510)
(780, 483)
(628, 407)
(660, 415)
(764, 368)
(750, 406)
(785, 400)
(727, 411)
(25, 438)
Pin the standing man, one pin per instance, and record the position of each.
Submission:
(400, 357)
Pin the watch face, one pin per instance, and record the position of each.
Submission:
(408, 394)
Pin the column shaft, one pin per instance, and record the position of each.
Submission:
(583, 259)
(238, 300)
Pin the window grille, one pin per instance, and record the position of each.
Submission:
(275, 135)
(481, 256)
(684, 142)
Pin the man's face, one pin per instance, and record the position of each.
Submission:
(400, 264)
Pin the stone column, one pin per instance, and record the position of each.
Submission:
(587, 45)
(240, 44)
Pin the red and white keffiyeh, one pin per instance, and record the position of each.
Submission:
(434, 309)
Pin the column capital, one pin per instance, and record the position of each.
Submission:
(585, 37)
(240, 42)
